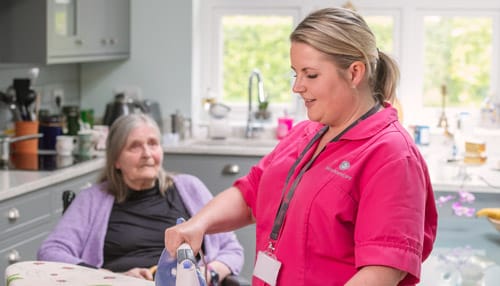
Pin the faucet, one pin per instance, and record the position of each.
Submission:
(250, 128)
(5, 144)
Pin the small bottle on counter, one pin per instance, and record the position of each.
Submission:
(285, 124)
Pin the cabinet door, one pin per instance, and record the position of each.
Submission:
(22, 247)
(116, 39)
(88, 30)
(64, 29)
(24, 212)
(218, 173)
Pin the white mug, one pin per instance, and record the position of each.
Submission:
(65, 145)
(101, 134)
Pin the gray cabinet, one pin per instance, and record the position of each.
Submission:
(218, 172)
(27, 219)
(64, 31)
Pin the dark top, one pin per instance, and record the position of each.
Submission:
(136, 228)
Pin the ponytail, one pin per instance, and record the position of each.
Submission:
(386, 79)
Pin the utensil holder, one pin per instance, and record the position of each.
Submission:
(28, 146)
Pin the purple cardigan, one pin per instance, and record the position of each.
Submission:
(79, 235)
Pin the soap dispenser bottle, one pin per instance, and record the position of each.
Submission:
(284, 126)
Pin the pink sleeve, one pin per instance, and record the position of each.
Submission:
(395, 219)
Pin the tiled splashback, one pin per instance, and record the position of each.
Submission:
(56, 78)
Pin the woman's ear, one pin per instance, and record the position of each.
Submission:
(356, 73)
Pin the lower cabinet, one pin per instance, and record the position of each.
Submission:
(218, 172)
(28, 219)
(22, 247)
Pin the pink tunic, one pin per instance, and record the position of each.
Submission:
(366, 200)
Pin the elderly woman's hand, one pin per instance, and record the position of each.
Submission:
(142, 273)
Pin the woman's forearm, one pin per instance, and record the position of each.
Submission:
(227, 211)
(377, 276)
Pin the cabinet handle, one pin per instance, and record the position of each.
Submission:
(79, 42)
(231, 169)
(104, 41)
(13, 214)
(112, 41)
(13, 256)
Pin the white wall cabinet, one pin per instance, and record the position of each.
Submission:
(64, 31)
(26, 220)
(218, 172)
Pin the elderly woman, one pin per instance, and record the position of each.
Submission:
(118, 224)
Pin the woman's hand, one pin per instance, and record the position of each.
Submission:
(142, 273)
(188, 232)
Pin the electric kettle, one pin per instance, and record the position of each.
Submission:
(122, 105)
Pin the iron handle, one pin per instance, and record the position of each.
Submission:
(231, 169)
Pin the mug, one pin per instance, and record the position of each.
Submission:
(50, 133)
(85, 144)
(101, 134)
(65, 145)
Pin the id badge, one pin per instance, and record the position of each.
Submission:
(267, 268)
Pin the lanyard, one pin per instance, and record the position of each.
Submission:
(285, 201)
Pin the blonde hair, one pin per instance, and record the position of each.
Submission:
(117, 138)
(344, 36)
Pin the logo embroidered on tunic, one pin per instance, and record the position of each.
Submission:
(344, 165)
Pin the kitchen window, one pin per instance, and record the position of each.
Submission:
(244, 39)
(458, 53)
(434, 42)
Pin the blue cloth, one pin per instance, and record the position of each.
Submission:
(79, 235)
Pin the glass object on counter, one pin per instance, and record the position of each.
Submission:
(71, 115)
(87, 116)
(475, 152)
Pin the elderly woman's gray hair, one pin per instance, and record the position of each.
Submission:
(116, 141)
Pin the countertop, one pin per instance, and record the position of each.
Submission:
(14, 183)
(239, 147)
(444, 176)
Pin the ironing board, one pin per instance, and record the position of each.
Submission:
(44, 273)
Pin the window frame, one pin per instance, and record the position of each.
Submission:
(414, 71)
(211, 60)
(408, 49)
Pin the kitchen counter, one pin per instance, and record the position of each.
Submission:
(241, 147)
(444, 176)
(485, 178)
(16, 182)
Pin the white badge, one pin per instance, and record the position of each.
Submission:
(267, 268)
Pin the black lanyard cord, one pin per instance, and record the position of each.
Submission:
(285, 201)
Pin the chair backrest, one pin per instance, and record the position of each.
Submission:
(67, 197)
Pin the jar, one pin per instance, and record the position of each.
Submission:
(71, 124)
(51, 127)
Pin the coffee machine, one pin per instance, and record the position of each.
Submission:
(123, 105)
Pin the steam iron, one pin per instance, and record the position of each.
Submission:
(182, 271)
